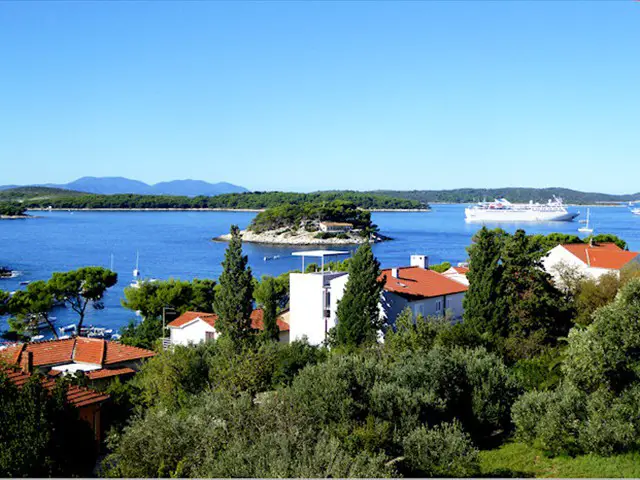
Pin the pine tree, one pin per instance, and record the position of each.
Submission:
(234, 301)
(358, 315)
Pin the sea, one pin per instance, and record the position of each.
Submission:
(180, 245)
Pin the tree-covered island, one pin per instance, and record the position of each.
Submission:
(12, 210)
(336, 222)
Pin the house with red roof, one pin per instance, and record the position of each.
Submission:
(459, 274)
(591, 260)
(99, 359)
(88, 401)
(197, 327)
(314, 297)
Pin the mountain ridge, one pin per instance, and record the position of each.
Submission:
(118, 185)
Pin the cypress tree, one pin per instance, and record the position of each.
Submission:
(234, 302)
(483, 306)
(358, 315)
(270, 309)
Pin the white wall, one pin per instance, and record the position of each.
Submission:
(194, 332)
(306, 307)
(458, 277)
(559, 258)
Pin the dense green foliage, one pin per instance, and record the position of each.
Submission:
(11, 209)
(214, 411)
(150, 298)
(234, 302)
(596, 409)
(514, 195)
(511, 300)
(358, 314)
(36, 193)
(249, 200)
(307, 216)
(41, 434)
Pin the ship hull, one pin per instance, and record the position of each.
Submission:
(477, 215)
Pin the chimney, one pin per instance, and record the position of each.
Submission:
(394, 272)
(26, 362)
(421, 261)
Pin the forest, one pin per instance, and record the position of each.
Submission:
(249, 200)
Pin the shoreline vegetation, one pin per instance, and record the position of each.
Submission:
(256, 210)
(308, 224)
(234, 201)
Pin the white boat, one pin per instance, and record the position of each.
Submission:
(37, 338)
(137, 278)
(69, 328)
(586, 228)
(635, 211)
(501, 210)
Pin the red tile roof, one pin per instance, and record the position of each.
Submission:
(420, 282)
(602, 255)
(77, 396)
(79, 349)
(210, 318)
(461, 270)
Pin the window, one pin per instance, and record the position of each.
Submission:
(438, 305)
(210, 336)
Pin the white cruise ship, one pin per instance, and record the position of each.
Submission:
(502, 210)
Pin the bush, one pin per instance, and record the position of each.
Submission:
(551, 421)
(442, 451)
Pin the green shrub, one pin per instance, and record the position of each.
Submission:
(442, 451)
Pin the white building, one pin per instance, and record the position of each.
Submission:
(591, 261)
(459, 274)
(336, 227)
(197, 327)
(314, 297)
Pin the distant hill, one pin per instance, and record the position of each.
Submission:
(513, 194)
(117, 185)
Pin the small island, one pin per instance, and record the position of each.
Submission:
(11, 210)
(327, 223)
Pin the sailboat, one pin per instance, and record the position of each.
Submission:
(586, 228)
(137, 279)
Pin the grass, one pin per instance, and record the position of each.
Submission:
(519, 460)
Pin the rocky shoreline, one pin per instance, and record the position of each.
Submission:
(286, 237)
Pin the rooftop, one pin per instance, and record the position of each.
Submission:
(76, 396)
(75, 350)
(256, 320)
(421, 282)
(602, 255)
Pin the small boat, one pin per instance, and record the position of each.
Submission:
(586, 228)
(137, 278)
(69, 328)
(116, 336)
(37, 338)
(8, 273)
(25, 282)
(635, 211)
(64, 337)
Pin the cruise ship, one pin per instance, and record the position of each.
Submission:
(501, 210)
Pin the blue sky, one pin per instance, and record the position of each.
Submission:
(304, 96)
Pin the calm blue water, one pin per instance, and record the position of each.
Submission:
(178, 244)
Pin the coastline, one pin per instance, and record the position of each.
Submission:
(285, 237)
(168, 209)
(15, 217)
